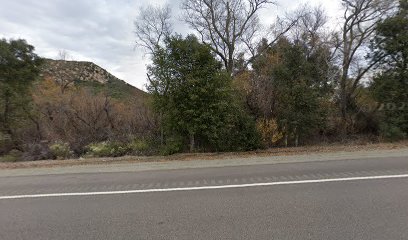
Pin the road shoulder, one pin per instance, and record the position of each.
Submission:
(246, 160)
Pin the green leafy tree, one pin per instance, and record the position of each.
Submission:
(19, 67)
(194, 98)
(390, 87)
(298, 86)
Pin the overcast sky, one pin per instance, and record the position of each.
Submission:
(101, 31)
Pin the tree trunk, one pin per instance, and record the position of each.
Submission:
(296, 138)
(161, 129)
(230, 67)
(343, 102)
(37, 125)
(161, 135)
(192, 143)
(6, 113)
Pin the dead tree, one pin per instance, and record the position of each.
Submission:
(360, 19)
(229, 27)
(152, 26)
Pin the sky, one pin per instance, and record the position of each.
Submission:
(101, 31)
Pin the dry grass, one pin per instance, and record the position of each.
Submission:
(349, 147)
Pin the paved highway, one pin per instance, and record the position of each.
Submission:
(345, 199)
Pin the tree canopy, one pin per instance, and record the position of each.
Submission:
(19, 67)
(390, 87)
(194, 94)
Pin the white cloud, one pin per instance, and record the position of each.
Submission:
(98, 30)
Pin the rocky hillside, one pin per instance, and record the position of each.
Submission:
(88, 74)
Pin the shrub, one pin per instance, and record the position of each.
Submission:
(269, 131)
(107, 149)
(240, 133)
(37, 151)
(61, 150)
(173, 145)
(392, 132)
(5, 143)
(12, 156)
(138, 146)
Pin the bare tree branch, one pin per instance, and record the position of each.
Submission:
(152, 26)
(230, 27)
(360, 20)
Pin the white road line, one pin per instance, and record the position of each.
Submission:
(205, 187)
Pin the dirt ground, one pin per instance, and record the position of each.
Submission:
(349, 147)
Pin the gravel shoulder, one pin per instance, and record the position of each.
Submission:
(207, 160)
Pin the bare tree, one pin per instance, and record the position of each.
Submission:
(152, 26)
(230, 27)
(311, 27)
(360, 19)
(312, 30)
(64, 55)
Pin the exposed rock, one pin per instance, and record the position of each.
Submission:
(70, 71)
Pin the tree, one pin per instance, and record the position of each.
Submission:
(229, 27)
(359, 24)
(64, 55)
(194, 95)
(390, 86)
(152, 26)
(19, 67)
(295, 69)
(296, 79)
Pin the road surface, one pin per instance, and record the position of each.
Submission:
(344, 199)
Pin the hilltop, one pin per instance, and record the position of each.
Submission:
(88, 75)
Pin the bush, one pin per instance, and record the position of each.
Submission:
(12, 156)
(61, 150)
(5, 143)
(392, 133)
(173, 145)
(269, 131)
(37, 151)
(107, 149)
(239, 134)
(139, 147)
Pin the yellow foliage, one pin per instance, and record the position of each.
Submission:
(242, 82)
(269, 130)
(46, 89)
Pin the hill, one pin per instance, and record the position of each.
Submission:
(91, 76)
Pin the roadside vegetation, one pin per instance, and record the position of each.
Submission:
(231, 85)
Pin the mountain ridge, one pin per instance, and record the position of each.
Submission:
(89, 74)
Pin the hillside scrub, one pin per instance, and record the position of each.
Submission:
(41, 120)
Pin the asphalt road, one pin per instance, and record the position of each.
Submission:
(359, 208)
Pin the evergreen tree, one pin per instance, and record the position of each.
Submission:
(19, 67)
(298, 86)
(390, 87)
(195, 99)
